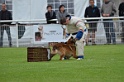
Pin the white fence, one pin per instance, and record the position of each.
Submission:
(22, 35)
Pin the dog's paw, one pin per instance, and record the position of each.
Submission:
(63, 58)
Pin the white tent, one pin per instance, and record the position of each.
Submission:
(35, 9)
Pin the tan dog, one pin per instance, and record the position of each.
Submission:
(65, 50)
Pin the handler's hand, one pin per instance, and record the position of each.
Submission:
(104, 15)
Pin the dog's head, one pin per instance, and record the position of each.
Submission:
(40, 28)
(53, 52)
(71, 41)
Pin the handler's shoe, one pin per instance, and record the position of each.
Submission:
(79, 58)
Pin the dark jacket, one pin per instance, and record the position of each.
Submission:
(49, 16)
(5, 15)
(92, 12)
(121, 9)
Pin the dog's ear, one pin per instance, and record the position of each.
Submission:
(65, 42)
(72, 38)
(71, 41)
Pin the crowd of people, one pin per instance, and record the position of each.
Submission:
(108, 9)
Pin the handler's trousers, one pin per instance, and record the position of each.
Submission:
(80, 44)
(80, 48)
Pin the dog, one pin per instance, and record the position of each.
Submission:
(65, 50)
(39, 34)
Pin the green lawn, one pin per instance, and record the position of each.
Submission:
(103, 63)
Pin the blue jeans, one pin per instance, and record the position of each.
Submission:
(7, 28)
(110, 32)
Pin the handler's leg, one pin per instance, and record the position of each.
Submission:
(80, 49)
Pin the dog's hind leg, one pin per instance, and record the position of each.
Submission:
(61, 57)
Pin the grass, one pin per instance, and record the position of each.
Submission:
(104, 63)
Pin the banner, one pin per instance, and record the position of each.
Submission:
(39, 34)
(48, 33)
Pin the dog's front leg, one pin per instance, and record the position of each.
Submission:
(74, 56)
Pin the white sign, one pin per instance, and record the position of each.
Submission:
(48, 33)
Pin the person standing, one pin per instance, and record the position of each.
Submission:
(121, 13)
(109, 10)
(92, 11)
(50, 14)
(5, 15)
(76, 25)
(62, 13)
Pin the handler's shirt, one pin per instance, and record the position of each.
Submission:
(75, 24)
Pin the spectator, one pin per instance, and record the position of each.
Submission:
(109, 10)
(121, 13)
(62, 13)
(50, 14)
(5, 15)
(74, 24)
(92, 11)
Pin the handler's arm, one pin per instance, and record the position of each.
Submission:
(81, 26)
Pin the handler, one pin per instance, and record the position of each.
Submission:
(75, 25)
